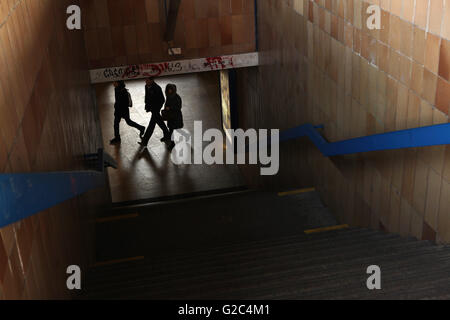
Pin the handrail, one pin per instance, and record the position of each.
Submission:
(25, 194)
(410, 138)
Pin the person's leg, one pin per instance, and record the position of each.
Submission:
(135, 125)
(149, 132)
(116, 139)
(171, 142)
(160, 122)
(117, 127)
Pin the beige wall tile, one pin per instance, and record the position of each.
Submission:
(391, 79)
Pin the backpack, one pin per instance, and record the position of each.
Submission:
(130, 101)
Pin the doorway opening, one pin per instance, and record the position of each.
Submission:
(145, 174)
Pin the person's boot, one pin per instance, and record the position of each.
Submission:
(166, 139)
(115, 141)
(142, 144)
(142, 132)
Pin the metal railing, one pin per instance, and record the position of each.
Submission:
(411, 138)
(25, 194)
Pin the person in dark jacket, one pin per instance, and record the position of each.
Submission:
(154, 101)
(174, 105)
(173, 108)
(122, 111)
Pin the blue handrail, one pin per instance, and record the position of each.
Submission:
(25, 194)
(410, 138)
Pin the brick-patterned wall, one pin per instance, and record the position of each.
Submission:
(47, 120)
(126, 32)
(323, 65)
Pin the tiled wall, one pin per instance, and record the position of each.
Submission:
(122, 32)
(322, 65)
(47, 120)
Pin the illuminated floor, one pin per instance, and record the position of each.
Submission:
(150, 173)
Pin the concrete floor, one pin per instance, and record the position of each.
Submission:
(150, 173)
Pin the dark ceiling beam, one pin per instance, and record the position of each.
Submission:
(172, 15)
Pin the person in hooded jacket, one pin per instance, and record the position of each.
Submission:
(172, 110)
(122, 111)
(174, 105)
(154, 101)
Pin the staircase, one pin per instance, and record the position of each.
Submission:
(252, 245)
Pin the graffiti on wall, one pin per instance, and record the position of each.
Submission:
(219, 63)
(174, 67)
(151, 70)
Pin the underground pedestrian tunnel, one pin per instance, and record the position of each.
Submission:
(364, 155)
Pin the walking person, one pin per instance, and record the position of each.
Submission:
(172, 111)
(154, 101)
(122, 111)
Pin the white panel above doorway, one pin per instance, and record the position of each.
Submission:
(175, 67)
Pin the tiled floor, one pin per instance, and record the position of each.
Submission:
(150, 173)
